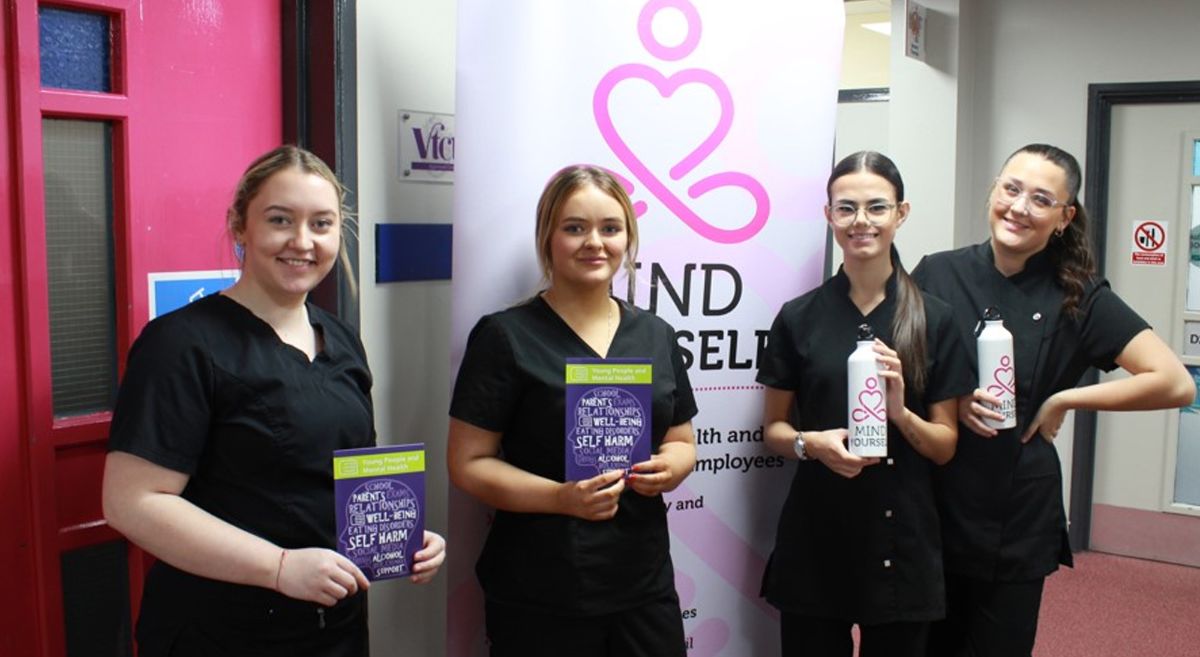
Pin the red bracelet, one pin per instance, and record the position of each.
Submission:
(279, 570)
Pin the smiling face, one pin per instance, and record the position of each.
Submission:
(1021, 227)
(291, 233)
(866, 235)
(589, 240)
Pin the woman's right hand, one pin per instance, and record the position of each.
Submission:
(972, 412)
(829, 447)
(318, 575)
(592, 499)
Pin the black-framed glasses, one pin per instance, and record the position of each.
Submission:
(844, 214)
(1038, 204)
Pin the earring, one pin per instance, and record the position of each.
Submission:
(1058, 232)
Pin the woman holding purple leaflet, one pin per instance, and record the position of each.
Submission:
(579, 568)
(220, 458)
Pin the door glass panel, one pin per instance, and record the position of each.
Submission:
(1187, 461)
(79, 260)
(1193, 285)
(1196, 158)
(75, 49)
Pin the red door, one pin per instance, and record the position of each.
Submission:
(125, 124)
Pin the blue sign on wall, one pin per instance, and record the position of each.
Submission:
(412, 252)
(173, 290)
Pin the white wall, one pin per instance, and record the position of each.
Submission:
(1035, 59)
(924, 127)
(405, 61)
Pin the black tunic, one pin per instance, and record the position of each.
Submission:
(210, 391)
(1000, 500)
(512, 382)
(866, 549)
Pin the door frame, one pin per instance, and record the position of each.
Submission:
(320, 113)
(1102, 97)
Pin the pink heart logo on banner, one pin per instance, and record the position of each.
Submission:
(870, 404)
(666, 87)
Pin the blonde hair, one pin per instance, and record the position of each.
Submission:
(562, 185)
(280, 159)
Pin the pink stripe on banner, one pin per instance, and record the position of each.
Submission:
(724, 551)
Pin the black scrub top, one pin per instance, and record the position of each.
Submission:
(212, 392)
(866, 549)
(512, 381)
(1000, 500)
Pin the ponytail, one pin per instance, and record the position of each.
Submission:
(908, 326)
(1071, 255)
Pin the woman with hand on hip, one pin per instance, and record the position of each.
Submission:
(1001, 497)
(220, 457)
(572, 567)
(858, 540)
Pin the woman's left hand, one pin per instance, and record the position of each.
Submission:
(1048, 420)
(893, 374)
(429, 558)
(652, 477)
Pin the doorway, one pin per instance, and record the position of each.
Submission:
(1145, 485)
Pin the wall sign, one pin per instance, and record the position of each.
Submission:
(426, 147)
(176, 289)
(1150, 243)
(914, 30)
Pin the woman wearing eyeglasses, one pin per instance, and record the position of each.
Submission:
(858, 540)
(1001, 497)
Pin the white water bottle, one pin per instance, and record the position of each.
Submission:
(997, 372)
(866, 398)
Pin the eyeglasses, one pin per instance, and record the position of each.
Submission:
(876, 214)
(1037, 204)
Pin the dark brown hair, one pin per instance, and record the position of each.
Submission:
(1070, 252)
(908, 324)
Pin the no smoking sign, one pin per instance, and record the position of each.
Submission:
(1150, 243)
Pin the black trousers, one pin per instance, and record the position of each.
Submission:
(806, 636)
(987, 619)
(654, 629)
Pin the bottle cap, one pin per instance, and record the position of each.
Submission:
(991, 314)
(865, 332)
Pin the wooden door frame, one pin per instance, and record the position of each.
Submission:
(1101, 99)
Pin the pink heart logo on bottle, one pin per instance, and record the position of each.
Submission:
(1004, 377)
(870, 403)
(666, 87)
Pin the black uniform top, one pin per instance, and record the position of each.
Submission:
(866, 549)
(512, 381)
(212, 392)
(1001, 501)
